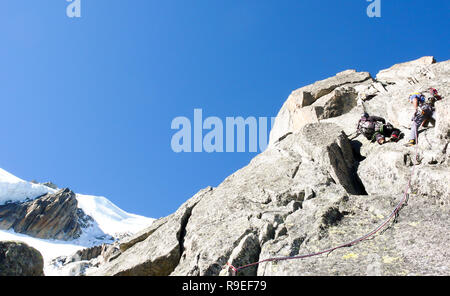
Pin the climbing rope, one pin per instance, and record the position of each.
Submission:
(394, 215)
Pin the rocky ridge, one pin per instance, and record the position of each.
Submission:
(52, 216)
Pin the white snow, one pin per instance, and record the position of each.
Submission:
(109, 221)
(13, 189)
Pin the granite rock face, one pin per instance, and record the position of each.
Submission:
(317, 187)
(301, 107)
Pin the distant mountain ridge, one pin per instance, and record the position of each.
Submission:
(44, 215)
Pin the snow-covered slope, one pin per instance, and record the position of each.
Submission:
(106, 221)
(13, 189)
(111, 220)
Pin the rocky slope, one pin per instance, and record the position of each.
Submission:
(52, 216)
(315, 188)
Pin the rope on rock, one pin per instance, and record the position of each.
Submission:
(394, 215)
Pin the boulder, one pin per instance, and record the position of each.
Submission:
(19, 259)
(336, 103)
(340, 101)
(329, 147)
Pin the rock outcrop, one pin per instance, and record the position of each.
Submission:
(324, 99)
(316, 188)
(407, 72)
(83, 260)
(157, 250)
(52, 216)
(19, 259)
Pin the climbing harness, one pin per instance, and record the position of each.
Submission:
(394, 215)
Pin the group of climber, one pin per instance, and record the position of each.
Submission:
(376, 128)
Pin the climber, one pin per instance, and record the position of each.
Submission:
(431, 100)
(375, 128)
(423, 113)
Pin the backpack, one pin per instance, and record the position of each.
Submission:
(420, 97)
(367, 127)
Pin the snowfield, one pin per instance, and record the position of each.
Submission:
(111, 220)
(13, 189)
(108, 223)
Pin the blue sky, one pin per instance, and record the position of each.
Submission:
(88, 103)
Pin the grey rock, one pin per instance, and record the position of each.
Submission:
(245, 253)
(141, 235)
(405, 72)
(87, 254)
(329, 147)
(338, 102)
(86, 259)
(50, 185)
(299, 109)
(267, 233)
(19, 259)
(442, 116)
(52, 216)
(159, 253)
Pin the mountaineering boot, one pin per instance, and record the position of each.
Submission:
(410, 143)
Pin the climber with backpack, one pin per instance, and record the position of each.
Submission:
(423, 114)
(375, 128)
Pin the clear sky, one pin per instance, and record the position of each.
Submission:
(88, 102)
